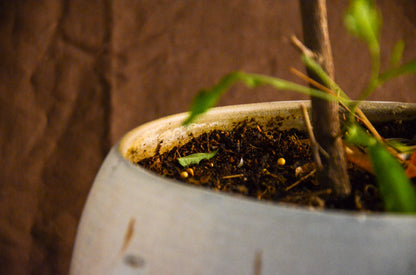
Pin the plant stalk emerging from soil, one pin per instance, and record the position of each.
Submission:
(325, 114)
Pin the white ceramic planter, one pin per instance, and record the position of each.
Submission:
(136, 222)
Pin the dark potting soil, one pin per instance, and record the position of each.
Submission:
(271, 165)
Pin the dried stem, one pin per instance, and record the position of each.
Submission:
(314, 144)
(310, 174)
(302, 47)
(360, 115)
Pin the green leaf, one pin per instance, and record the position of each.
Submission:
(395, 187)
(407, 68)
(195, 158)
(397, 53)
(401, 145)
(363, 20)
(356, 135)
(207, 98)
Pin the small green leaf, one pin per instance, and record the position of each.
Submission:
(356, 135)
(407, 68)
(208, 98)
(401, 145)
(363, 20)
(195, 158)
(395, 187)
(397, 53)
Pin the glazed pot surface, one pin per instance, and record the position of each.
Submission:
(136, 222)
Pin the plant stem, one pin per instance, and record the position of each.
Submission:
(325, 114)
(314, 144)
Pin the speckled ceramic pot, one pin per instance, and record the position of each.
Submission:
(136, 222)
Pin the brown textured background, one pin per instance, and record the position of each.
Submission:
(75, 75)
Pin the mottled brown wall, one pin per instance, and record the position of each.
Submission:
(77, 74)
(54, 129)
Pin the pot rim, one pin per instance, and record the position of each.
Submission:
(128, 141)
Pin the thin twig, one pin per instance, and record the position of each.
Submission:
(311, 173)
(315, 146)
(360, 115)
(233, 176)
(314, 83)
(368, 124)
(303, 49)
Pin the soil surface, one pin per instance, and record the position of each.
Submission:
(271, 165)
